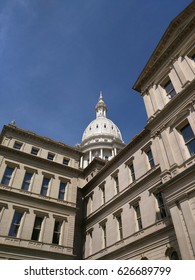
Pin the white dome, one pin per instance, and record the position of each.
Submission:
(102, 127)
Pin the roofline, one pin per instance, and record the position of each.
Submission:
(44, 139)
(153, 59)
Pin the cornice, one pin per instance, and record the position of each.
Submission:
(31, 135)
(162, 54)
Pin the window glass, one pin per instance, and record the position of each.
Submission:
(37, 228)
(62, 190)
(34, 151)
(57, 232)
(26, 181)
(45, 185)
(7, 175)
(170, 89)
(189, 138)
(17, 145)
(15, 224)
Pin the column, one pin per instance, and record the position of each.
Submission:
(101, 153)
(148, 105)
(167, 147)
(180, 73)
(189, 220)
(181, 233)
(90, 156)
(81, 162)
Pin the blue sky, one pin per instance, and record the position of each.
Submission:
(56, 56)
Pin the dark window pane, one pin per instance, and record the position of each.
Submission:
(45, 185)
(187, 133)
(50, 156)
(37, 228)
(62, 190)
(17, 145)
(34, 151)
(170, 89)
(150, 158)
(65, 161)
(15, 224)
(26, 182)
(191, 147)
(7, 175)
(189, 138)
(57, 232)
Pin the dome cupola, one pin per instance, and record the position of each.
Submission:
(101, 138)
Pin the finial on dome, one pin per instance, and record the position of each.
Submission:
(101, 107)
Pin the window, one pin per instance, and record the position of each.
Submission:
(37, 228)
(66, 161)
(150, 158)
(26, 181)
(169, 88)
(34, 151)
(161, 206)
(45, 186)
(104, 237)
(89, 200)
(120, 229)
(57, 232)
(62, 189)
(138, 216)
(17, 145)
(116, 183)
(50, 156)
(7, 176)
(102, 187)
(189, 138)
(132, 172)
(15, 224)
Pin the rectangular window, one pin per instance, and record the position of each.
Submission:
(26, 181)
(132, 172)
(37, 228)
(104, 237)
(57, 232)
(169, 88)
(62, 189)
(189, 138)
(15, 224)
(120, 228)
(7, 176)
(50, 156)
(138, 216)
(103, 194)
(17, 145)
(35, 151)
(116, 183)
(45, 186)
(66, 161)
(150, 158)
(161, 206)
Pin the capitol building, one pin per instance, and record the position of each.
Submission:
(104, 199)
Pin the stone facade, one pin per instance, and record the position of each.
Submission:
(138, 205)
